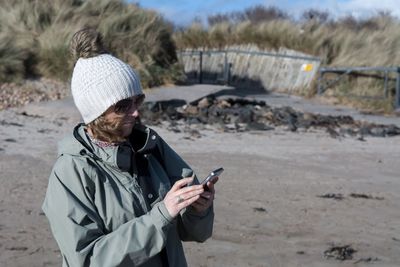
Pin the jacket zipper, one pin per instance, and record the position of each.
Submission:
(138, 193)
(135, 174)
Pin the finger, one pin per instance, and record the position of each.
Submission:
(188, 202)
(215, 180)
(207, 195)
(191, 193)
(181, 183)
(198, 206)
(210, 186)
(202, 202)
(188, 189)
(201, 205)
(184, 194)
(208, 200)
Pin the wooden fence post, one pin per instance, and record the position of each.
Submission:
(397, 99)
(201, 68)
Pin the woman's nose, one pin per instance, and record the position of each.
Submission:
(133, 111)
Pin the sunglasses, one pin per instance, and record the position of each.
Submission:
(123, 106)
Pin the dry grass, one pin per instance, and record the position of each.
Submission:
(345, 43)
(336, 44)
(34, 37)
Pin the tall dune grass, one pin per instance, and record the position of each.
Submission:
(344, 42)
(34, 37)
(336, 44)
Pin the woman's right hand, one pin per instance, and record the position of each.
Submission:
(180, 196)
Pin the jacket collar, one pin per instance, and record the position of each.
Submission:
(143, 140)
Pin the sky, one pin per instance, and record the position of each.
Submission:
(182, 12)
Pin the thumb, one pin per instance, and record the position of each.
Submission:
(186, 172)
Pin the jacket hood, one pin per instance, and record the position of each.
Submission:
(70, 145)
(79, 144)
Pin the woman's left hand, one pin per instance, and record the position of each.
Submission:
(207, 198)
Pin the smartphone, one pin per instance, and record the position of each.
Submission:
(212, 175)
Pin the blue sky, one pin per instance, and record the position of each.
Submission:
(183, 11)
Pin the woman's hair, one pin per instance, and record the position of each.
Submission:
(88, 43)
(107, 130)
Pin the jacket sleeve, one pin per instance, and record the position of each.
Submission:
(192, 226)
(79, 230)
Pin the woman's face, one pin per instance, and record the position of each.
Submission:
(127, 111)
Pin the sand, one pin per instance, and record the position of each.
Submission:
(268, 209)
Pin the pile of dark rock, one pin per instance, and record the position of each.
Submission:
(240, 114)
(340, 252)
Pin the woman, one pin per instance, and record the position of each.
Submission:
(118, 195)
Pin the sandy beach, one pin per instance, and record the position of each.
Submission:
(285, 198)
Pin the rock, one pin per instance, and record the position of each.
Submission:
(224, 104)
(258, 126)
(260, 209)
(203, 103)
(6, 123)
(369, 259)
(340, 252)
(333, 196)
(365, 196)
(191, 110)
(241, 114)
(375, 131)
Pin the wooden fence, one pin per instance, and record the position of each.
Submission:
(249, 66)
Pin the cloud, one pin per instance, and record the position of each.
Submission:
(370, 7)
(338, 8)
(297, 7)
(183, 12)
(178, 15)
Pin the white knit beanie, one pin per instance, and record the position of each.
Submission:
(101, 81)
